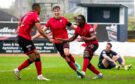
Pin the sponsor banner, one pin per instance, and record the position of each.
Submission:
(8, 37)
(11, 46)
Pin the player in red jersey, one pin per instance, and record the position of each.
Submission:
(24, 40)
(57, 25)
(87, 35)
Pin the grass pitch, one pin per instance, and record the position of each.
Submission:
(56, 69)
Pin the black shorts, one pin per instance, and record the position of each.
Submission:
(91, 49)
(60, 47)
(26, 45)
(101, 66)
(110, 65)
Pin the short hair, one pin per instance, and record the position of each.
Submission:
(55, 7)
(109, 44)
(35, 6)
(83, 18)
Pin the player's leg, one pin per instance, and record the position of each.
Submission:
(88, 54)
(104, 64)
(60, 48)
(38, 65)
(67, 57)
(28, 49)
(121, 61)
(70, 56)
(25, 64)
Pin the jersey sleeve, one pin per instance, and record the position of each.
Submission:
(103, 53)
(76, 31)
(48, 23)
(91, 30)
(68, 23)
(114, 53)
(36, 18)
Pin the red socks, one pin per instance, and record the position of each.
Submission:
(38, 67)
(28, 62)
(24, 64)
(93, 69)
(85, 64)
(72, 65)
(71, 58)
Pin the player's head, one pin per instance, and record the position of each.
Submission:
(108, 46)
(80, 20)
(36, 7)
(56, 12)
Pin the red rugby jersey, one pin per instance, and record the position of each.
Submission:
(85, 31)
(58, 27)
(27, 23)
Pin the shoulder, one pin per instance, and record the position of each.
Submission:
(103, 52)
(33, 13)
(63, 18)
(50, 19)
(77, 29)
(113, 52)
(90, 28)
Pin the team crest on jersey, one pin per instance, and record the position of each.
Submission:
(84, 31)
(111, 55)
(91, 29)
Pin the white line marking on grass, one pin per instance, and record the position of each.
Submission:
(1, 71)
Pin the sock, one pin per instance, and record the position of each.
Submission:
(71, 58)
(120, 60)
(24, 64)
(38, 66)
(85, 64)
(93, 69)
(72, 65)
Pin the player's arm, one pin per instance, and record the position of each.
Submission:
(68, 40)
(41, 32)
(19, 24)
(108, 58)
(72, 38)
(72, 26)
(38, 34)
(92, 37)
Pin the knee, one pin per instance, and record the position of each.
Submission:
(37, 55)
(32, 59)
(86, 54)
(67, 59)
(34, 56)
(66, 53)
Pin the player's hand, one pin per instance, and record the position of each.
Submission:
(51, 40)
(56, 41)
(79, 39)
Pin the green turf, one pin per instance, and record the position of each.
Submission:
(59, 72)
